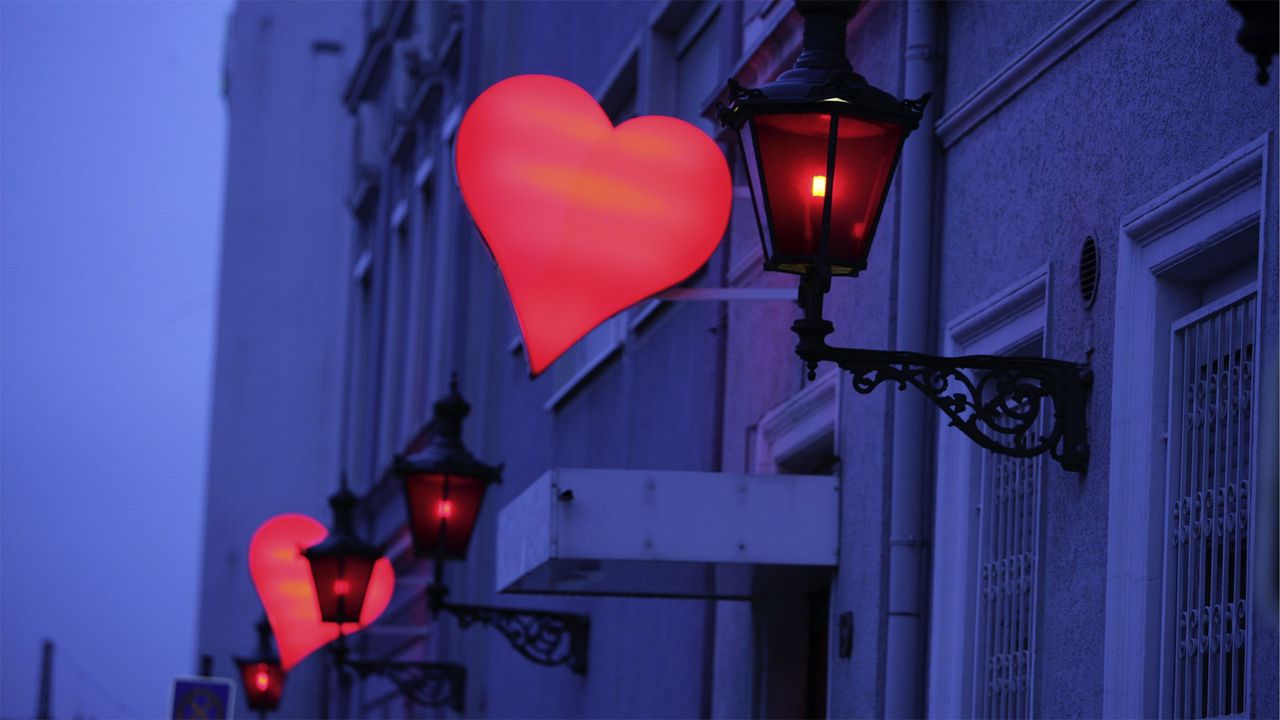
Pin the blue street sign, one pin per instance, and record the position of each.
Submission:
(202, 698)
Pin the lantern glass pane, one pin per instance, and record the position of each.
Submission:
(435, 516)
(263, 684)
(751, 163)
(793, 160)
(866, 151)
(341, 583)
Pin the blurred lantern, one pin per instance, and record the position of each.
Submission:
(284, 581)
(342, 563)
(261, 674)
(820, 146)
(444, 484)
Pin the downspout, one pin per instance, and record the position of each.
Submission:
(904, 663)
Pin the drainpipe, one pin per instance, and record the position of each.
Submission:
(904, 680)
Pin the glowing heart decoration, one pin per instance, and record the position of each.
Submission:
(283, 579)
(585, 219)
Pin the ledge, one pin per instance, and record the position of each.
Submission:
(1044, 53)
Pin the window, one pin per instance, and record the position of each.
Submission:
(986, 570)
(1207, 499)
(580, 361)
(1195, 246)
(698, 68)
(1007, 578)
(418, 387)
(398, 331)
(689, 40)
(361, 366)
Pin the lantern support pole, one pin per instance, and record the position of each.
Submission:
(545, 637)
(997, 401)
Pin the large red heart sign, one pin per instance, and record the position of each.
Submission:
(583, 218)
(283, 579)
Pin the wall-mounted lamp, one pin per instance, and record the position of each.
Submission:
(820, 145)
(342, 563)
(261, 674)
(341, 567)
(444, 485)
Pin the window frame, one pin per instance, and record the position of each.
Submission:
(1010, 319)
(1179, 226)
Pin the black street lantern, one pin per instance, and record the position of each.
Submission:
(445, 484)
(819, 146)
(342, 563)
(262, 674)
(341, 568)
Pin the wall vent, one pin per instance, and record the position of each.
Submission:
(1089, 271)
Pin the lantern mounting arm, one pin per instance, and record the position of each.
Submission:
(429, 684)
(996, 401)
(545, 637)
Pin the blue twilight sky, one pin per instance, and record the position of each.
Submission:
(112, 137)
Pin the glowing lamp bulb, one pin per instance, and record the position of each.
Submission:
(262, 680)
(819, 186)
(341, 587)
(444, 509)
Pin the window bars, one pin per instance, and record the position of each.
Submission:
(1209, 476)
(1007, 566)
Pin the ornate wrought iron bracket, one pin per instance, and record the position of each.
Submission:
(996, 401)
(543, 636)
(429, 684)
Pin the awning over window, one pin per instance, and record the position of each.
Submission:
(669, 534)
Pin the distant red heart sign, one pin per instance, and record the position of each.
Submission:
(283, 579)
(585, 219)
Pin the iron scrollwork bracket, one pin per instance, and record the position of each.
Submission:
(997, 401)
(429, 684)
(545, 637)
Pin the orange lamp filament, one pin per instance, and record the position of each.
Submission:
(444, 509)
(262, 680)
(819, 186)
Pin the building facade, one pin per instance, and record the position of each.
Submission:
(1094, 182)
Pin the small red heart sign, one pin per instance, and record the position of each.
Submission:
(282, 577)
(583, 218)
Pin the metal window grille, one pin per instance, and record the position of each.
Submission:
(1007, 583)
(1209, 474)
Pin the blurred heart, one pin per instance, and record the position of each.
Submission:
(282, 577)
(585, 219)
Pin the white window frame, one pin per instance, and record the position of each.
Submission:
(1184, 222)
(1007, 320)
(809, 417)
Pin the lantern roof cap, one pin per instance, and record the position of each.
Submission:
(342, 539)
(264, 653)
(822, 80)
(446, 454)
